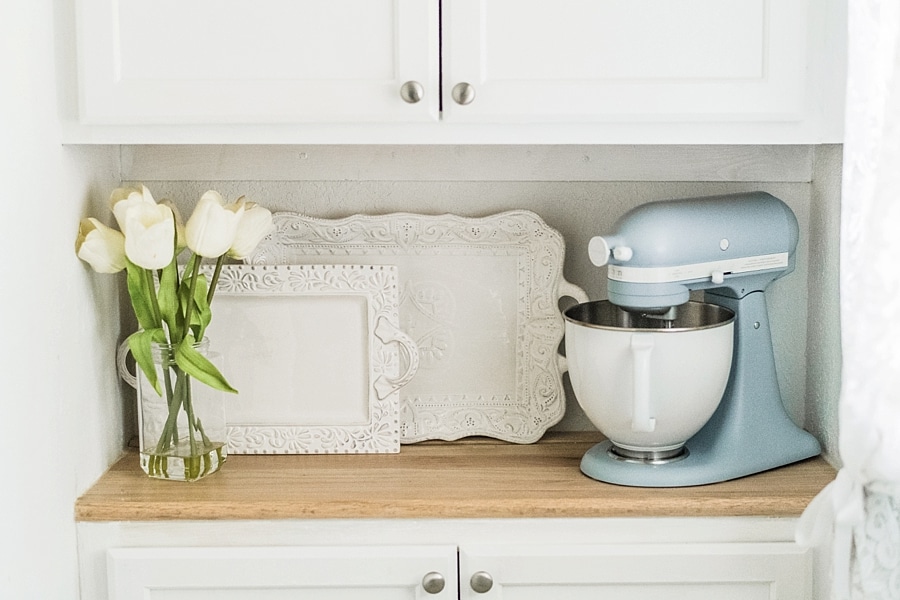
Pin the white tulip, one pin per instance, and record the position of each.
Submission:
(122, 199)
(254, 226)
(180, 238)
(149, 235)
(211, 230)
(100, 246)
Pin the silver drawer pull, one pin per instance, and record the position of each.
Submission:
(412, 92)
(433, 582)
(463, 93)
(481, 582)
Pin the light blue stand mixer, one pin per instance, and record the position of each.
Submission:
(732, 247)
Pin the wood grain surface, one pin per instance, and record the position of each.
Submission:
(473, 478)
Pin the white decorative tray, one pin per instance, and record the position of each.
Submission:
(478, 296)
(311, 351)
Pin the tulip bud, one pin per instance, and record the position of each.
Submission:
(211, 229)
(149, 235)
(100, 246)
(180, 238)
(254, 226)
(122, 199)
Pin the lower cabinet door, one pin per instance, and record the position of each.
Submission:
(279, 573)
(714, 571)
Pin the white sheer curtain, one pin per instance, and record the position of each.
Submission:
(860, 510)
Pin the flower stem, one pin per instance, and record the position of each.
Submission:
(170, 431)
(169, 434)
(194, 471)
(183, 387)
(174, 400)
(154, 301)
(188, 311)
(215, 279)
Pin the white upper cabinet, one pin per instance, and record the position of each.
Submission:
(240, 61)
(459, 71)
(640, 60)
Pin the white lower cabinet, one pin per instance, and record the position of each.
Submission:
(492, 559)
(755, 571)
(282, 573)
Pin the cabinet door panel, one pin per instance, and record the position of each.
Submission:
(280, 573)
(237, 61)
(739, 571)
(627, 60)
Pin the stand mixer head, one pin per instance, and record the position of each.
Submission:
(732, 247)
(663, 250)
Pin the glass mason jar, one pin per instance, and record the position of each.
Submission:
(182, 432)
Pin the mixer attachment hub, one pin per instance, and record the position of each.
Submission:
(642, 318)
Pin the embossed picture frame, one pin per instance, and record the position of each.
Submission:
(314, 351)
(480, 298)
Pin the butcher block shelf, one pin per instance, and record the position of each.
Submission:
(465, 479)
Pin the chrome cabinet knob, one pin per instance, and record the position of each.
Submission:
(463, 93)
(412, 92)
(433, 582)
(481, 582)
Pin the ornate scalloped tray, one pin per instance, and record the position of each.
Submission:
(479, 297)
(311, 350)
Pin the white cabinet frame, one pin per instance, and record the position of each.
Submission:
(572, 72)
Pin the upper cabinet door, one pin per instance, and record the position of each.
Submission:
(144, 62)
(671, 68)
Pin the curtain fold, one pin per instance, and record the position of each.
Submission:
(854, 511)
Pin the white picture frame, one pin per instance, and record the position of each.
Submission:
(314, 351)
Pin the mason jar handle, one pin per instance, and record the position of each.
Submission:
(124, 373)
(641, 348)
(568, 290)
(387, 332)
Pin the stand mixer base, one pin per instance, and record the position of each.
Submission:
(702, 463)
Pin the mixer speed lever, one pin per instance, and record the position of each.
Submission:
(622, 253)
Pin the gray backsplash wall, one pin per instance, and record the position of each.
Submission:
(578, 191)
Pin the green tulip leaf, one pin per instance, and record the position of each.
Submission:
(183, 296)
(184, 289)
(141, 345)
(185, 284)
(141, 293)
(168, 300)
(202, 312)
(198, 366)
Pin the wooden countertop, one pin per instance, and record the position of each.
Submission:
(466, 479)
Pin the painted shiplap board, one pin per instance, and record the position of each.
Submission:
(467, 163)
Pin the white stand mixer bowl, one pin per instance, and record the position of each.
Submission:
(646, 386)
